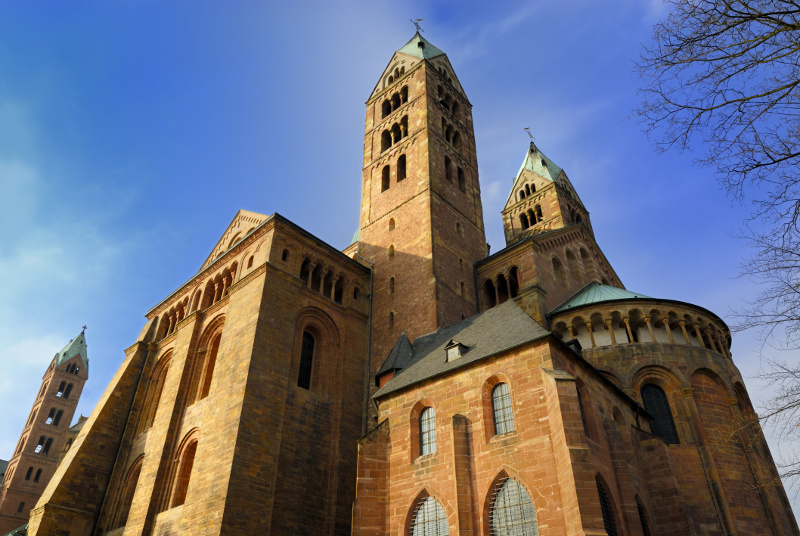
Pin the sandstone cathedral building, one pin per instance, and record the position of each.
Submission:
(414, 383)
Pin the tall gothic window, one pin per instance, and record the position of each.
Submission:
(427, 431)
(430, 519)
(126, 496)
(513, 513)
(656, 403)
(306, 361)
(609, 522)
(501, 408)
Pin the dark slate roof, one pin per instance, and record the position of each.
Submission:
(400, 356)
(74, 347)
(496, 330)
(3, 466)
(596, 293)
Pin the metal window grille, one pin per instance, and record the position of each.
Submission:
(501, 406)
(609, 522)
(306, 360)
(512, 511)
(430, 519)
(427, 432)
(583, 415)
(643, 519)
(656, 403)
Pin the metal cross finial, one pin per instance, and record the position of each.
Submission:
(84, 329)
(416, 22)
(528, 130)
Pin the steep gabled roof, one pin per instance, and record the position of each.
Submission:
(419, 47)
(76, 346)
(242, 224)
(596, 293)
(400, 356)
(499, 329)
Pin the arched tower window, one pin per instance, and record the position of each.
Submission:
(29, 473)
(38, 475)
(404, 94)
(386, 140)
(462, 182)
(386, 109)
(501, 409)
(67, 391)
(427, 431)
(558, 272)
(430, 519)
(656, 403)
(401, 168)
(306, 361)
(385, 178)
(58, 418)
(512, 513)
(47, 444)
(523, 221)
(448, 168)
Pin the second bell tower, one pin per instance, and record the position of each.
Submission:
(421, 219)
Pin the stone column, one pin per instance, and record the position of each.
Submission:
(627, 321)
(696, 328)
(496, 291)
(665, 323)
(650, 329)
(311, 267)
(610, 326)
(711, 339)
(682, 324)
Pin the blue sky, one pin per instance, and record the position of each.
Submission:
(132, 131)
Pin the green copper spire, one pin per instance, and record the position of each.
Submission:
(536, 162)
(76, 346)
(419, 47)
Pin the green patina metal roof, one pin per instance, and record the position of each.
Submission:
(75, 347)
(536, 162)
(355, 237)
(419, 47)
(595, 293)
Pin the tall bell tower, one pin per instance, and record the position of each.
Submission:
(421, 222)
(44, 435)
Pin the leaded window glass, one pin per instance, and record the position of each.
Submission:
(306, 361)
(501, 407)
(427, 431)
(430, 519)
(656, 403)
(513, 513)
(609, 522)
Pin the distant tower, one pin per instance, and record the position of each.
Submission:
(43, 437)
(421, 216)
(542, 199)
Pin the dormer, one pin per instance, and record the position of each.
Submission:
(454, 350)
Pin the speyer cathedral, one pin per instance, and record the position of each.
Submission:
(414, 383)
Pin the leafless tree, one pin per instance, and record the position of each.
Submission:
(724, 75)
